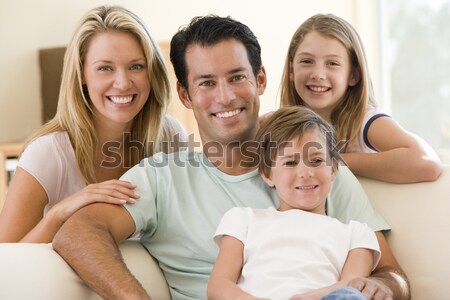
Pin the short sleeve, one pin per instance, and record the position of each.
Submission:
(143, 212)
(50, 159)
(363, 237)
(234, 223)
(348, 201)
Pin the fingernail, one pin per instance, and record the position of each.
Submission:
(123, 201)
(136, 195)
(132, 200)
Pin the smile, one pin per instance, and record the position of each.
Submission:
(121, 99)
(306, 188)
(228, 114)
(319, 89)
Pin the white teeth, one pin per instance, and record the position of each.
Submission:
(228, 114)
(121, 100)
(318, 89)
(310, 187)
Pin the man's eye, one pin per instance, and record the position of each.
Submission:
(238, 78)
(207, 83)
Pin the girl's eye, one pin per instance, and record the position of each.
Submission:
(137, 67)
(104, 68)
(306, 61)
(333, 63)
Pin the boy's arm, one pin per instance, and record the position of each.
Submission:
(359, 263)
(226, 271)
(88, 242)
(388, 281)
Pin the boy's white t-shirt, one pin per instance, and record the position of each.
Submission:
(292, 252)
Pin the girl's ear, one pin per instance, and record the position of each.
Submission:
(291, 72)
(267, 179)
(355, 77)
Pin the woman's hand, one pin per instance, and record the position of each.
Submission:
(112, 191)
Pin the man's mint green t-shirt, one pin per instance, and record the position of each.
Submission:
(183, 198)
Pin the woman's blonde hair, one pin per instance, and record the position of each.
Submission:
(348, 115)
(74, 113)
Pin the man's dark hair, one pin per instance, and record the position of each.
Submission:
(210, 30)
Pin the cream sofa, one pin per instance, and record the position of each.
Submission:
(418, 213)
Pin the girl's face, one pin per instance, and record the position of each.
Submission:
(115, 73)
(302, 173)
(321, 71)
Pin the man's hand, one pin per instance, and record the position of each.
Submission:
(372, 288)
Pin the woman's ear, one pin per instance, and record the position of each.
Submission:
(355, 77)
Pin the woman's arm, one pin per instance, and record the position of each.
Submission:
(402, 157)
(22, 219)
(24, 207)
(226, 271)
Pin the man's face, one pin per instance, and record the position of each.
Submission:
(223, 91)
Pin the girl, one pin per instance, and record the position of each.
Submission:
(326, 70)
(111, 107)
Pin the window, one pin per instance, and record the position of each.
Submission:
(416, 58)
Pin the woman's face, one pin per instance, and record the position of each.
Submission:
(321, 71)
(116, 76)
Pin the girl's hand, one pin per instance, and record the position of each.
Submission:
(112, 191)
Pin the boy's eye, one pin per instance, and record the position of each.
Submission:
(316, 161)
(206, 83)
(290, 163)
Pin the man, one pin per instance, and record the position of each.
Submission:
(220, 76)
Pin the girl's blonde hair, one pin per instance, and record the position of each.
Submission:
(74, 113)
(348, 115)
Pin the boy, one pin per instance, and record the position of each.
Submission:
(296, 249)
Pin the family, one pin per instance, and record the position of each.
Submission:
(269, 209)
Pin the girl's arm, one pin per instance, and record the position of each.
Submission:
(22, 218)
(226, 271)
(359, 263)
(402, 157)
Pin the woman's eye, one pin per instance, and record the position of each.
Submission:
(104, 68)
(137, 67)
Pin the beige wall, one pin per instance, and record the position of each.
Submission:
(28, 25)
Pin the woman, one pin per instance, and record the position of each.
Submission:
(111, 114)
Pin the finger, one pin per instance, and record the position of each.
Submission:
(114, 190)
(357, 284)
(369, 290)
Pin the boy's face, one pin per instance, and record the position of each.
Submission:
(223, 91)
(302, 173)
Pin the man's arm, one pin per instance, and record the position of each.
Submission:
(87, 241)
(387, 281)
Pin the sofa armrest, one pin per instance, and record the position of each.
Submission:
(419, 215)
(35, 271)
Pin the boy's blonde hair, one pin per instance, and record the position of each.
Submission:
(288, 123)
(348, 115)
(74, 112)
